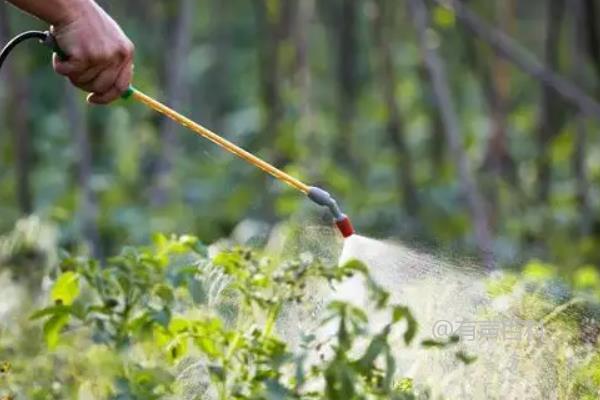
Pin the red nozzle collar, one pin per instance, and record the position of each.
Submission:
(345, 227)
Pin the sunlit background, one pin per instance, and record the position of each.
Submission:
(336, 93)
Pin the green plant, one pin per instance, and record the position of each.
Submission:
(146, 318)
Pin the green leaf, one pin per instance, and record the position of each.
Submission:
(177, 347)
(339, 382)
(587, 278)
(404, 385)
(66, 288)
(161, 317)
(502, 285)
(539, 271)
(355, 265)
(217, 372)
(159, 240)
(5, 367)
(465, 358)
(365, 365)
(53, 310)
(52, 329)
(443, 17)
(165, 293)
(403, 312)
(207, 346)
(428, 343)
(188, 240)
(562, 146)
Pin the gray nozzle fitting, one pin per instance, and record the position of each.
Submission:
(322, 198)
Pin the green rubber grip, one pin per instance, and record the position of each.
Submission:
(128, 93)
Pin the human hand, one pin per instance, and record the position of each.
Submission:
(100, 56)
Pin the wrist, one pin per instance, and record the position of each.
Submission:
(70, 11)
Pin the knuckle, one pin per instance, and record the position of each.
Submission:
(77, 58)
(122, 51)
(125, 49)
(88, 59)
(104, 56)
(85, 56)
(101, 54)
(75, 52)
(130, 47)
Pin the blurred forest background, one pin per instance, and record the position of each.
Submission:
(467, 126)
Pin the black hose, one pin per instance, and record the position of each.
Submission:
(43, 37)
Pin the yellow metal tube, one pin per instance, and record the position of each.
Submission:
(213, 137)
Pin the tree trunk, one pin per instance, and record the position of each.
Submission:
(306, 132)
(493, 72)
(591, 21)
(579, 155)
(175, 94)
(437, 140)
(273, 26)
(548, 121)
(88, 208)
(219, 83)
(18, 89)
(395, 124)
(441, 89)
(347, 42)
(498, 158)
(507, 48)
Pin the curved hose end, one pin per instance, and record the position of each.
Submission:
(50, 42)
(322, 198)
(345, 227)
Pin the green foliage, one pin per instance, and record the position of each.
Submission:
(538, 271)
(134, 326)
(150, 312)
(568, 313)
(586, 277)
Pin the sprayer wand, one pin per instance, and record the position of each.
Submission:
(317, 195)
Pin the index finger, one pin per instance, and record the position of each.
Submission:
(66, 67)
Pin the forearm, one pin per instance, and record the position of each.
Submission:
(54, 12)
